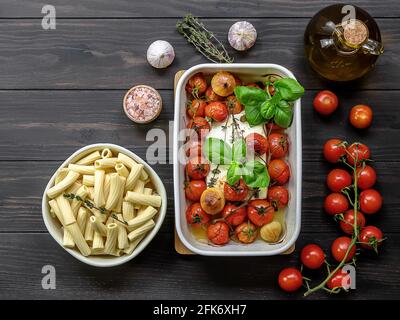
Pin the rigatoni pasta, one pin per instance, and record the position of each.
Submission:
(97, 201)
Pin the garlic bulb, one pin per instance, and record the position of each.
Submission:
(271, 231)
(242, 35)
(160, 54)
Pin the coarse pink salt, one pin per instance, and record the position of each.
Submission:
(142, 104)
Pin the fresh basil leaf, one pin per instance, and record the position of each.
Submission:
(239, 150)
(234, 173)
(256, 175)
(217, 151)
(250, 96)
(253, 115)
(289, 89)
(268, 109)
(283, 114)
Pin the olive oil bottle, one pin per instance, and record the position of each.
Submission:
(342, 42)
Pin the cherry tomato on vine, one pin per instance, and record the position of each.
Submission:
(257, 142)
(196, 85)
(233, 104)
(279, 171)
(339, 280)
(361, 116)
(366, 177)
(197, 168)
(196, 215)
(217, 111)
(336, 203)
(193, 148)
(278, 196)
(196, 108)
(312, 256)
(357, 152)
(218, 233)
(370, 201)
(338, 179)
(339, 248)
(290, 279)
(246, 232)
(194, 189)
(234, 215)
(371, 237)
(236, 192)
(200, 126)
(273, 127)
(260, 212)
(325, 102)
(334, 150)
(347, 224)
(278, 145)
(211, 95)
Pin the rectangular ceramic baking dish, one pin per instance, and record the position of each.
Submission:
(248, 73)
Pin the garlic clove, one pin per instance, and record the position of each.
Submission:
(271, 232)
(160, 54)
(242, 35)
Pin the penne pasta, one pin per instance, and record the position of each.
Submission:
(133, 177)
(142, 199)
(81, 169)
(106, 185)
(66, 210)
(139, 187)
(105, 163)
(148, 214)
(89, 232)
(146, 191)
(123, 242)
(54, 206)
(82, 192)
(90, 159)
(143, 175)
(128, 210)
(98, 197)
(68, 241)
(82, 218)
(64, 184)
(141, 230)
(134, 244)
(122, 170)
(116, 191)
(127, 161)
(112, 238)
(74, 188)
(88, 180)
(106, 153)
(91, 193)
(61, 174)
(98, 226)
(98, 242)
(79, 240)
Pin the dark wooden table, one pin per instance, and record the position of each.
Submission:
(62, 89)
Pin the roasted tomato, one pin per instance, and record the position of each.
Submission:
(196, 215)
(200, 126)
(234, 215)
(339, 280)
(371, 237)
(260, 212)
(336, 203)
(238, 82)
(357, 153)
(212, 201)
(338, 179)
(278, 145)
(257, 143)
(334, 150)
(370, 201)
(279, 171)
(211, 96)
(193, 148)
(194, 189)
(197, 168)
(234, 106)
(253, 85)
(196, 108)
(196, 85)
(361, 116)
(278, 196)
(366, 177)
(223, 83)
(217, 111)
(339, 248)
(273, 127)
(236, 192)
(246, 232)
(218, 233)
(347, 223)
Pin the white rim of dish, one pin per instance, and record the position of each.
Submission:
(177, 191)
(111, 261)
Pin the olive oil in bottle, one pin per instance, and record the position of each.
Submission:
(342, 42)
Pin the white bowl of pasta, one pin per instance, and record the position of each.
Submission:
(104, 205)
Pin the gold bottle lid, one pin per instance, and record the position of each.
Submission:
(355, 33)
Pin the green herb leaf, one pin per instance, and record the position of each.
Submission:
(268, 109)
(250, 96)
(239, 150)
(217, 151)
(234, 173)
(283, 114)
(256, 175)
(289, 89)
(253, 115)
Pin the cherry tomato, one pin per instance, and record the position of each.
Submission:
(312, 256)
(218, 233)
(193, 148)
(217, 111)
(253, 85)
(257, 142)
(197, 168)
(200, 126)
(370, 201)
(366, 177)
(260, 212)
(278, 145)
(196, 108)
(325, 102)
(238, 82)
(290, 279)
(336, 203)
(211, 95)
(234, 106)
(337, 280)
(194, 189)
(338, 179)
(371, 237)
(334, 150)
(196, 215)
(271, 90)
(279, 171)
(357, 152)
(339, 248)
(273, 127)
(347, 224)
(361, 116)
(236, 192)
(234, 215)
(196, 85)
(278, 196)
(246, 232)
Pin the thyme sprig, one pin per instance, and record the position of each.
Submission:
(203, 40)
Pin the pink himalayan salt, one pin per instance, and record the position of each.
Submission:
(143, 104)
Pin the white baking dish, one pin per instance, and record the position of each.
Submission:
(249, 73)
(54, 227)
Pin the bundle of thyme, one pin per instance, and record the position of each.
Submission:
(203, 40)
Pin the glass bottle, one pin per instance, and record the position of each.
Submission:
(342, 42)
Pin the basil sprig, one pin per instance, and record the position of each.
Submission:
(260, 107)
(254, 172)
